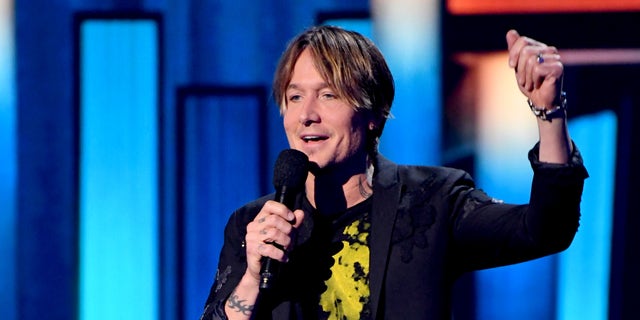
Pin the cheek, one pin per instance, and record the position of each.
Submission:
(357, 140)
(287, 119)
(289, 124)
(359, 129)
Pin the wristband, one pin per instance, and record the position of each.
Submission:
(559, 111)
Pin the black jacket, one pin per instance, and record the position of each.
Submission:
(428, 226)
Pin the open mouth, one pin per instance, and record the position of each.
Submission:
(313, 138)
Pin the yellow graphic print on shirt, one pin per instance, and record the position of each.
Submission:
(348, 288)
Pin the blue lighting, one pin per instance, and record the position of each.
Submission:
(221, 173)
(7, 162)
(118, 170)
(362, 26)
(583, 281)
(575, 283)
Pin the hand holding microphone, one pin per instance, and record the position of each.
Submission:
(269, 235)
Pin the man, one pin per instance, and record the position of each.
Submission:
(375, 240)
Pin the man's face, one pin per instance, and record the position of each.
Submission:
(320, 123)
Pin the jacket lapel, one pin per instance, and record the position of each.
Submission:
(386, 197)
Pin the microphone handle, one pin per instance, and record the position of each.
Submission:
(268, 271)
(270, 267)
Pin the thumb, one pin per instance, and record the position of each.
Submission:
(299, 217)
(512, 36)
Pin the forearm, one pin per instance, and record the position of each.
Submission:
(555, 143)
(241, 302)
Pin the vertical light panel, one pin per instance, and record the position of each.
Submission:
(118, 170)
(221, 164)
(408, 33)
(7, 162)
(583, 286)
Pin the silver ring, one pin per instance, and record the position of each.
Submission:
(539, 58)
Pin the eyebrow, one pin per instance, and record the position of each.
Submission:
(322, 85)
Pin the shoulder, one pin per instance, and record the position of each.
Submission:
(421, 184)
(419, 175)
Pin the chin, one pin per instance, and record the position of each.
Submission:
(318, 164)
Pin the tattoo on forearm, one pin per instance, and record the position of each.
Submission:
(238, 305)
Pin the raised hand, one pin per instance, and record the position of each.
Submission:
(538, 69)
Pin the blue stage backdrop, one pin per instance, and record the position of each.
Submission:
(130, 131)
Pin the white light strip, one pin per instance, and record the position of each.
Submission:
(408, 34)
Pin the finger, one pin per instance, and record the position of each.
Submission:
(258, 249)
(512, 36)
(270, 216)
(521, 46)
(531, 57)
(299, 217)
(277, 237)
(283, 232)
(530, 72)
(277, 222)
(522, 68)
(268, 228)
(551, 49)
(253, 256)
(544, 64)
(548, 54)
(271, 251)
(276, 208)
(549, 67)
(549, 88)
(518, 52)
(539, 68)
(252, 240)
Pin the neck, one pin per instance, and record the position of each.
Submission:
(332, 196)
(335, 188)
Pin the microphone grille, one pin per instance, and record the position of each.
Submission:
(291, 169)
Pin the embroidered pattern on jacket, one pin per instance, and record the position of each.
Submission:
(221, 278)
(413, 222)
(476, 200)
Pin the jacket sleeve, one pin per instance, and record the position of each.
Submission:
(231, 265)
(488, 233)
(554, 204)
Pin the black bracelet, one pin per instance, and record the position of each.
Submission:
(559, 111)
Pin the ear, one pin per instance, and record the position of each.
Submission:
(372, 125)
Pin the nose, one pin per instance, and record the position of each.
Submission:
(309, 112)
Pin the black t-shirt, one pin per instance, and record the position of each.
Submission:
(328, 271)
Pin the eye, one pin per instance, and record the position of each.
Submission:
(328, 95)
(294, 98)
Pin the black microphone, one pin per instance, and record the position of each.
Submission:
(289, 174)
